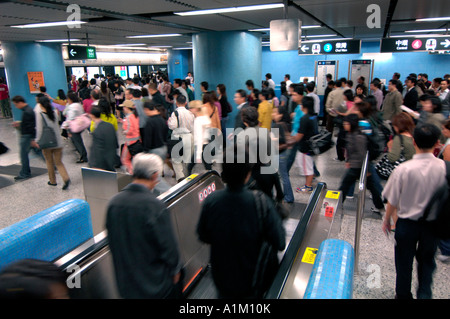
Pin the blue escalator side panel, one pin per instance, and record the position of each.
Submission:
(332, 274)
(48, 234)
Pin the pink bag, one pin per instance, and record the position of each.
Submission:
(80, 123)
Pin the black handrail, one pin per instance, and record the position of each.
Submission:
(290, 255)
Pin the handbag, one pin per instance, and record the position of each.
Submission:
(385, 167)
(48, 137)
(135, 148)
(80, 123)
(321, 142)
(267, 262)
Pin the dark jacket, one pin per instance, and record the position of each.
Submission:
(155, 133)
(229, 222)
(103, 153)
(411, 99)
(28, 124)
(238, 120)
(356, 146)
(142, 243)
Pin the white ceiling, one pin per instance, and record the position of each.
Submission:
(109, 22)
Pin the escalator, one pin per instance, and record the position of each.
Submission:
(91, 266)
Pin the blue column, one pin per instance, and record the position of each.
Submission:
(231, 58)
(23, 57)
(178, 64)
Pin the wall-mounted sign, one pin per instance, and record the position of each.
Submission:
(78, 52)
(330, 47)
(415, 44)
(35, 81)
(320, 75)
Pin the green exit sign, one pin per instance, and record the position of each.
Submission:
(78, 52)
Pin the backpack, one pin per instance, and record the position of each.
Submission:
(375, 144)
(437, 212)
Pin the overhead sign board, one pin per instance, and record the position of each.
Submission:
(330, 47)
(78, 52)
(415, 44)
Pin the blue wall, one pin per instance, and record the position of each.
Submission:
(23, 57)
(283, 62)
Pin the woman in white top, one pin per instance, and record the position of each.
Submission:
(45, 115)
(202, 125)
(74, 109)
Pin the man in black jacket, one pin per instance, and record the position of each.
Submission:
(412, 97)
(141, 236)
(229, 222)
(28, 134)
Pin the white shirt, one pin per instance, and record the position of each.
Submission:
(316, 102)
(186, 119)
(288, 84)
(413, 183)
(201, 134)
(271, 83)
(443, 94)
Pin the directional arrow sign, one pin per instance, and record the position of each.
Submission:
(304, 48)
(330, 47)
(446, 44)
(78, 52)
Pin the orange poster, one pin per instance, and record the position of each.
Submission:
(35, 81)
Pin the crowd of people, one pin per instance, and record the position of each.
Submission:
(161, 122)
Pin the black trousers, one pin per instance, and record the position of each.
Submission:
(414, 239)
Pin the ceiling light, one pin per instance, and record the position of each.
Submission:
(324, 40)
(231, 9)
(129, 44)
(429, 30)
(59, 40)
(420, 36)
(154, 35)
(433, 19)
(187, 48)
(311, 26)
(259, 30)
(47, 24)
(320, 36)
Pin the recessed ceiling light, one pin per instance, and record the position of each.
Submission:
(129, 44)
(231, 9)
(320, 36)
(154, 35)
(428, 30)
(59, 40)
(433, 19)
(47, 24)
(303, 27)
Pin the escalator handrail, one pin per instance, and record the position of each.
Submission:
(290, 255)
(96, 247)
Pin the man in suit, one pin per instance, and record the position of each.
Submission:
(412, 97)
(240, 98)
(104, 143)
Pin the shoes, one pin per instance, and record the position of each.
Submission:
(66, 184)
(377, 211)
(443, 258)
(52, 184)
(337, 159)
(81, 161)
(304, 189)
(350, 197)
(21, 178)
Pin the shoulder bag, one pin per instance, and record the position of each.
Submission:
(48, 137)
(80, 123)
(385, 167)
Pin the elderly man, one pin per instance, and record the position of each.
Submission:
(141, 237)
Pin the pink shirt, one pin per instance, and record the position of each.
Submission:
(130, 127)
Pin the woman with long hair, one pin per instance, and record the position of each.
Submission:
(74, 109)
(106, 115)
(46, 116)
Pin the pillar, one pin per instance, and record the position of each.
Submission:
(230, 58)
(178, 64)
(23, 57)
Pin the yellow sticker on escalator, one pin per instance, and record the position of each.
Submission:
(332, 194)
(310, 255)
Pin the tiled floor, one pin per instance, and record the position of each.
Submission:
(376, 276)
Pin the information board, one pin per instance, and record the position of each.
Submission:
(330, 47)
(320, 76)
(359, 68)
(415, 44)
(78, 52)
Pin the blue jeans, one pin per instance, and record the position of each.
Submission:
(25, 147)
(444, 246)
(284, 173)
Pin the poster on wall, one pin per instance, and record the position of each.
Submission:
(320, 76)
(35, 81)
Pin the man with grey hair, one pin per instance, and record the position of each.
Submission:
(141, 237)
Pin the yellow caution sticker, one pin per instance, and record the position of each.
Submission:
(332, 194)
(310, 255)
(191, 177)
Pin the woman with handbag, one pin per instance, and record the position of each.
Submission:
(400, 148)
(130, 127)
(72, 111)
(46, 118)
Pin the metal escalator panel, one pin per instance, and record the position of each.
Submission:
(321, 220)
